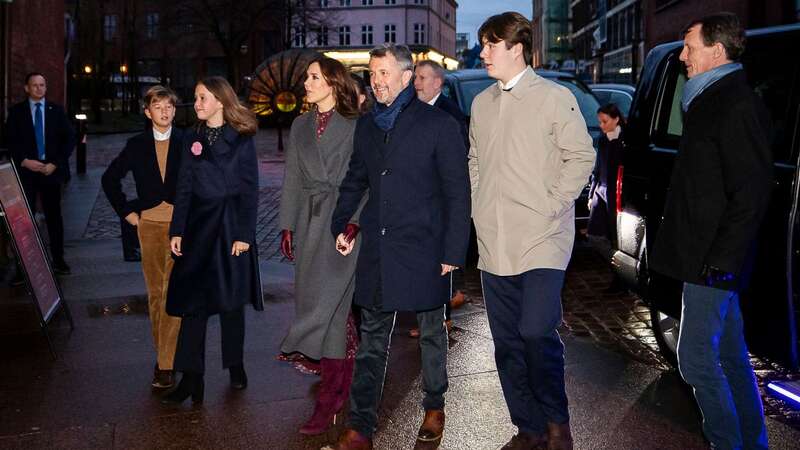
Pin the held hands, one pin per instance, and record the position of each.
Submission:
(33, 165)
(175, 246)
(239, 247)
(286, 245)
(48, 169)
(346, 241)
(132, 219)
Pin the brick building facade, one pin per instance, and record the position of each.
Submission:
(665, 19)
(31, 39)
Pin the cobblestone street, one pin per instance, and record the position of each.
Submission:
(617, 321)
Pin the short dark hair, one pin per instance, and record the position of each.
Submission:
(724, 28)
(400, 52)
(437, 68)
(159, 92)
(612, 110)
(34, 74)
(511, 27)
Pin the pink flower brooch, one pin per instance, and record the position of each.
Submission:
(197, 148)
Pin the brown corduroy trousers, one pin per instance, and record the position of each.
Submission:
(157, 266)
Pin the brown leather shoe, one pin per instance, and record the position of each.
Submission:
(526, 441)
(559, 436)
(350, 439)
(432, 426)
(162, 379)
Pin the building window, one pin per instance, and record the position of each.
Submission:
(110, 28)
(344, 35)
(390, 2)
(419, 2)
(324, 3)
(344, 2)
(366, 34)
(299, 37)
(151, 25)
(322, 36)
(419, 33)
(390, 33)
(366, 2)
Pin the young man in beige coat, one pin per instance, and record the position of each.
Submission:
(530, 157)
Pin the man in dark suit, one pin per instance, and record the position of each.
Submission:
(41, 140)
(414, 226)
(719, 190)
(428, 82)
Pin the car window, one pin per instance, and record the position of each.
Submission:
(623, 102)
(603, 97)
(586, 100)
(776, 84)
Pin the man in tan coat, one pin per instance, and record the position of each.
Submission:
(530, 157)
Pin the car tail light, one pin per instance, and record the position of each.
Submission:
(620, 172)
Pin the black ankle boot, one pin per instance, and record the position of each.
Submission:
(238, 377)
(191, 385)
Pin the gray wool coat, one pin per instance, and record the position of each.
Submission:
(324, 279)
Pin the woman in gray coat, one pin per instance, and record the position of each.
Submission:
(317, 158)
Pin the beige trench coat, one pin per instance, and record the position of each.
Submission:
(530, 156)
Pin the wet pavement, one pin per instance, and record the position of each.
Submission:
(96, 393)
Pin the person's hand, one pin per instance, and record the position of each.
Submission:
(175, 245)
(239, 247)
(32, 165)
(344, 246)
(132, 219)
(447, 268)
(286, 245)
(589, 204)
(48, 169)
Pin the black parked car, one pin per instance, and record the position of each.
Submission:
(464, 85)
(770, 305)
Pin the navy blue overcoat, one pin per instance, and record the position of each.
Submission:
(417, 216)
(216, 201)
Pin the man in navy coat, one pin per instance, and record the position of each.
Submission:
(410, 156)
(40, 140)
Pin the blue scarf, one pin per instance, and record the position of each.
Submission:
(386, 116)
(696, 85)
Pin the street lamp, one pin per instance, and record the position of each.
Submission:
(80, 157)
(87, 69)
(123, 68)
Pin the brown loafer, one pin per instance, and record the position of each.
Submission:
(526, 441)
(351, 439)
(559, 436)
(432, 426)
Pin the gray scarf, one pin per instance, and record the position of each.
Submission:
(696, 85)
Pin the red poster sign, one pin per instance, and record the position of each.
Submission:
(28, 242)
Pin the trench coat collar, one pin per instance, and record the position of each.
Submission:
(528, 80)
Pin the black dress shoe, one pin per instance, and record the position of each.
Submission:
(191, 385)
(238, 377)
(60, 267)
(163, 379)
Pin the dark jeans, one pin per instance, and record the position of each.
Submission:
(372, 357)
(524, 312)
(713, 359)
(190, 355)
(50, 194)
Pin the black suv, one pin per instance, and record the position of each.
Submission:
(770, 305)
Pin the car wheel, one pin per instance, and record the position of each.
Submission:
(666, 329)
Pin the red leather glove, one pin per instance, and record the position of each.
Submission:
(350, 231)
(286, 245)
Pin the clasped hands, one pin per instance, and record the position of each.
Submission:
(238, 248)
(38, 166)
(345, 243)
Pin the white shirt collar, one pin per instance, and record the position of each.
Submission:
(433, 100)
(614, 134)
(513, 82)
(159, 136)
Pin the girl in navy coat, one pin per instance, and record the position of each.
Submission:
(213, 236)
